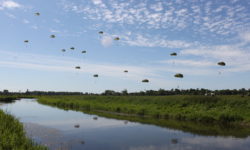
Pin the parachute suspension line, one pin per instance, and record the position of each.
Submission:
(84, 56)
(221, 63)
(173, 54)
(177, 75)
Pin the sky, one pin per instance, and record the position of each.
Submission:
(201, 32)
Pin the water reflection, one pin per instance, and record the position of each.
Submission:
(56, 129)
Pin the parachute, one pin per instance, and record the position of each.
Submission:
(101, 32)
(117, 38)
(178, 75)
(145, 81)
(72, 48)
(126, 71)
(221, 63)
(26, 41)
(173, 54)
(37, 14)
(95, 75)
(52, 36)
(78, 67)
(63, 50)
(84, 52)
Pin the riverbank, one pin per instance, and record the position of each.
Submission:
(206, 109)
(8, 99)
(12, 98)
(13, 136)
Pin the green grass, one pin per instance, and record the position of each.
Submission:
(12, 135)
(218, 109)
(8, 99)
(12, 98)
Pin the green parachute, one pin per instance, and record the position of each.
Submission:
(52, 36)
(37, 14)
(117, 38)
(178, 75)
(173, 54)
(221, 63)
(145, 81)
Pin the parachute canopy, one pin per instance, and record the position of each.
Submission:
(126, 71)
(37, 14)
(78, 67)
(222, 63)
(52, 36)
(26, 41)
(145, 80)
(173, 54)
(95, 75)
(63, 50)
(100, 32)
(178, 75)
(72, 48)
(84, 51)
(117, 38)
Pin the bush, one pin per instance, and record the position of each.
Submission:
(226, 118)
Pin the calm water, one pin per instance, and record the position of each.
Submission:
(55, 128)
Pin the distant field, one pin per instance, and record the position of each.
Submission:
(208, 109)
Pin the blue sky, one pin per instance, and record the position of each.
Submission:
(202, 32)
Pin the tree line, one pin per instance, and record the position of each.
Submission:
(160, 92)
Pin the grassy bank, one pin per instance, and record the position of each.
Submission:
(12, 98)
(218, 109)
(12, 135)
(8, 99)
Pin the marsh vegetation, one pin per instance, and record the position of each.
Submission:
(12, 135)
(233, 109)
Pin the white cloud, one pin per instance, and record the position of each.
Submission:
(157, 7)
(10, 15)
(54, 31)
(106, 41)
(55, 63)
(8, 4)
(217, 142)
(235, 57)
(146, 41)
(245, 36)
(221, 52)
(35, 27)
(25, 21)
(204, 17)
(188, 62)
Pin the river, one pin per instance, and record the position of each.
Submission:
(70, 130)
